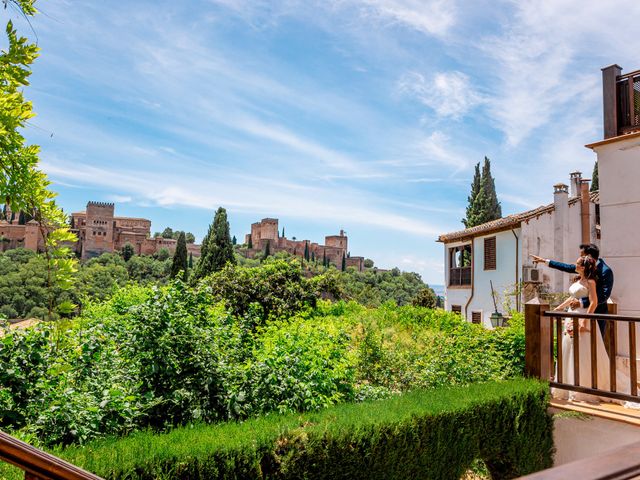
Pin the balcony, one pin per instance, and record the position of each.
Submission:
(621, 101)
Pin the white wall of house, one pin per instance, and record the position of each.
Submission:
(503, 277)
(456, 295)
(619, 176)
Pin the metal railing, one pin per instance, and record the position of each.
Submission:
(39, 465)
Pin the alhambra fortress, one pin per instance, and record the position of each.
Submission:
(335, 248)
(100, 231)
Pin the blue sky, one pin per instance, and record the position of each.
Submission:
(365, 115)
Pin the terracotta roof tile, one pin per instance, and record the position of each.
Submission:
(510, 221)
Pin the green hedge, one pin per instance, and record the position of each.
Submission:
(435, 434)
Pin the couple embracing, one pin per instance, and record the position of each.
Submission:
(587, 294)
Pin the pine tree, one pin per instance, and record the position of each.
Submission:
(128, 251)
(483, 200)
(594, 178)
(306, 251)
(180, 262)
(344, 262)
(216, 250)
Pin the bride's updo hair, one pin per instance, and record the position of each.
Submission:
(589, 264)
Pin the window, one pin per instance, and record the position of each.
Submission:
(460, 265)
(476, 317)
(456, 308)
(490, 253)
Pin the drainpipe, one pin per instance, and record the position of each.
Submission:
(517, 282)
(584, 211)
(473, 261)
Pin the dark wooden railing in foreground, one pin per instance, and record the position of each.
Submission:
(544, 352)
(39, 465)
(621, 464)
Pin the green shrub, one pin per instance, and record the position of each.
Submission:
(433, 434)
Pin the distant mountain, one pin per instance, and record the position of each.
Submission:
(438, 289)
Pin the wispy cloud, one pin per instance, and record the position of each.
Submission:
(449, 94)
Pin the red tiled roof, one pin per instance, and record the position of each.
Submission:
(510, 221)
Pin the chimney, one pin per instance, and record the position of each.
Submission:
(575, 179)
(560, 230)
(585, 205)
(610, 76)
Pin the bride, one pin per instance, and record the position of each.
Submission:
(584, 286)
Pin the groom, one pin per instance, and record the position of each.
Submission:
(604, 282)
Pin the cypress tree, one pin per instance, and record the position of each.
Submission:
(471, 199)
(324, 258)
(128, 251)
(234, 240)
(217, 249)
(306, 251)
(180, 262)
(190, 260)
(313, 256)
(483, 203)
(250, 244)
(267, 249)
(282, 232)
(594, 178)
(344, 262)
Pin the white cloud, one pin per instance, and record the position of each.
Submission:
(449, 94)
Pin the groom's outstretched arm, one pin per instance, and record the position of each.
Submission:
(565, 267)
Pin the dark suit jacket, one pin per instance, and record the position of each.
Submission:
(604, 283)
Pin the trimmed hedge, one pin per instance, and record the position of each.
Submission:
(435, 434)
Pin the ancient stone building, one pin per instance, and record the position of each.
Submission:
(267, 232)
(100, 231)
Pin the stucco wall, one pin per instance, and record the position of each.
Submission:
(619, 176)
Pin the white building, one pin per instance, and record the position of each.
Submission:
(497, 253)
(619, 177)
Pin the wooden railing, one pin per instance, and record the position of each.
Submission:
(460, 276)
(39, 465)
(544, 351)
(628, 102)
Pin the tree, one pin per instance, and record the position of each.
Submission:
(313, 256)
(282, 232)
(190, 237)
(475, 189)
(128, 251)
(234, 240)
(267, 249)
(167, 233)
(324, 258)
(22, 185)
(344, 262)
(483, 200)
(216, 250)
(306, 251)
(594, 178)
(425, 298)
(162, 254)
(249, 245)
(190, 260)
(180, 262)
(368, 263)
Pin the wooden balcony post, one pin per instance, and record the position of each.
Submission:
(538, 340)
(609, 102)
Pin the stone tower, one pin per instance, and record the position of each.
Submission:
(99, 229)
(337, 241)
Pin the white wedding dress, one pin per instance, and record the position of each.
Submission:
(578, 290)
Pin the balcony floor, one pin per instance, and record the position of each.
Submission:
(605, 410)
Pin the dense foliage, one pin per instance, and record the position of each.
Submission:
(164, 356)
(483, 201)
(217, 249)
(424, 434)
